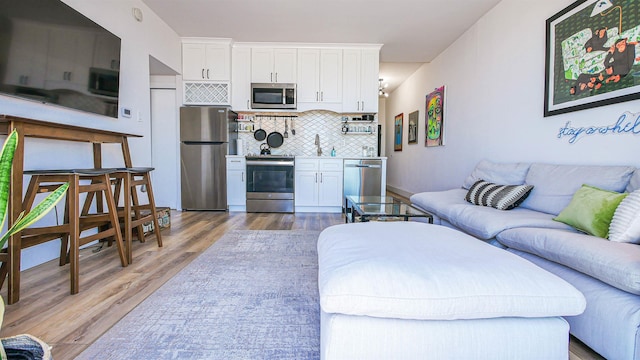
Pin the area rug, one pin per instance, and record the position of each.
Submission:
(251, 295)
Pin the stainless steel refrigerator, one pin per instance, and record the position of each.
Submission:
(207, 135)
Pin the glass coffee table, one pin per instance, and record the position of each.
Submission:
(366, 208)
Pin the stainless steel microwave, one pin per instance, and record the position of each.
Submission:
(273, 96)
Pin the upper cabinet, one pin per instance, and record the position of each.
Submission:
(319, 79)
(360, 80)
(327, 76)
(270, 65)
(206, 71)
(206, 61)
(241, 78)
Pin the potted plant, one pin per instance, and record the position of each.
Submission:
(27, 346)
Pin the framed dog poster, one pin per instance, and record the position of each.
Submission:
(434, 118)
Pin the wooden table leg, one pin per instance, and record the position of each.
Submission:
(15, 207)
(74, 234)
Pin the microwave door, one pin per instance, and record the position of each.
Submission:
(268, 96)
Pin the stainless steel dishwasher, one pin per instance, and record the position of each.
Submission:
(363, 177)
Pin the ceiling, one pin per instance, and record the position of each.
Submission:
(412, 32)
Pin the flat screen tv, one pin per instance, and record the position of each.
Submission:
(53, 54)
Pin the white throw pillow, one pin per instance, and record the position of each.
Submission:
(625, 225)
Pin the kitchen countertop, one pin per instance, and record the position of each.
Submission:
(325, 157)
(343, 157)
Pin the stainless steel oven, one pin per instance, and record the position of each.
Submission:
(270, 183)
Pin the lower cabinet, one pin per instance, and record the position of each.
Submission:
(236, 184)
(318, 185)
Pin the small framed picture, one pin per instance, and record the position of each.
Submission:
(397, 134)
(413, 128)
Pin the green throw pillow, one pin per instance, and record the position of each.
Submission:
(591, 210)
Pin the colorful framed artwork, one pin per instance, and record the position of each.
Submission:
(592, 55)
(397, 133)
(413, 128)
(434, 118)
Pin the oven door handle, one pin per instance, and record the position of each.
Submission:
(269, 163)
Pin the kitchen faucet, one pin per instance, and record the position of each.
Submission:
(319, 150)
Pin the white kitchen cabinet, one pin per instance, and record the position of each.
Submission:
(28, 46)
(236, 183)
(270, 65)
(63, 71)
(206, 61)
(319, 79)
(318, 185)
(360, 80)
(241, 79)
(106, 52)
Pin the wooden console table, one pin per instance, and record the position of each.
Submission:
(47, 130)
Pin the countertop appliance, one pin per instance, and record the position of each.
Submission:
(273, 96)
(270, 183)
(207, 135)
(362, 177)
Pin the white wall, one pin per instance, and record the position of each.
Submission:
(139, 40)
(494, 78)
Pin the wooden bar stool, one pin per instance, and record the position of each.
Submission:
(134, 213)
(96, 183)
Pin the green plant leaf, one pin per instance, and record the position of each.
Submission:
(36, 213)
(6, 160)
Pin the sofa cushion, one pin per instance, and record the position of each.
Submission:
(486, 222)
(554, 185)
(479, 221)
(591, 210)
(625, 225)
(634, 182)
(508, 173)
(440, 203)
(614, 263)
(411, 270)
(501, 197)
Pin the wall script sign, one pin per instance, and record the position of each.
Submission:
(627, 123)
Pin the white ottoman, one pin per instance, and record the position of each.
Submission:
(409, 290)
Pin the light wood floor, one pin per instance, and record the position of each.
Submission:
(108, 292)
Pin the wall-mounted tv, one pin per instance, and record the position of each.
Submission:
(53, 54)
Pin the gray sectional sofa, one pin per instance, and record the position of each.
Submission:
(606, 272)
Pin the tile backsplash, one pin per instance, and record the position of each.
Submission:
(328, 125)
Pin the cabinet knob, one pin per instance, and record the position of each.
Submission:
(203, 73)
(207, 73)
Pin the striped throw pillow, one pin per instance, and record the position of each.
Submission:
(501, 197)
